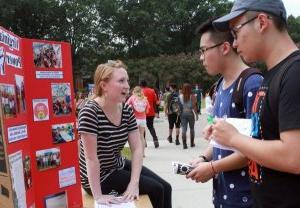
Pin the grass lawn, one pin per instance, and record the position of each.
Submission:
(126, 152)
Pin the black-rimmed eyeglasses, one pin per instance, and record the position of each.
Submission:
(203, 49)
(236, 28)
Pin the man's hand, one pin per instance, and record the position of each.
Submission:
(202, 173)
(207, 132)
(224, 133)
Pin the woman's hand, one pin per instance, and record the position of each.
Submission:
(109, 199)
(132, 192)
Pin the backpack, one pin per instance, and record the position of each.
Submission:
(139, 105)
(273, 92)
(238, 89)
(174, 104)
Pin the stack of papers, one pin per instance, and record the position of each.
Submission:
(242, 125)
(123, 205)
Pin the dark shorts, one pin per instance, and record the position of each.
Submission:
(174, 119)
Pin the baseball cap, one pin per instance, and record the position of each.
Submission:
(274, 7)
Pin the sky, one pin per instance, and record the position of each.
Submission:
(292, 7)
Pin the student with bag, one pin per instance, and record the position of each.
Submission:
(260, 34)
(172, 111)
(228, 169)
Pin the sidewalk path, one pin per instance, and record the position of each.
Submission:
(186, 193)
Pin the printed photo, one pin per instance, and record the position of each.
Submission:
(27, 172)
(58, 200)
(8, 100)
(62, 133)
(17, 179)
(47, 55)
(61, 99)
(3, 167)
(48, 158)
(2, 61)
(40, 109)
(20, 92)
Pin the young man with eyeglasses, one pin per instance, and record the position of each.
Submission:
(260, 30)
(231, 185)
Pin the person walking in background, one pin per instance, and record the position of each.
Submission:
(198, 93)
(172, 111)
(140, 106)
(260, 32)
(188, 113)
(165, 95)
(152, 99)
(106, 123)
(157, 92)
(231, 186)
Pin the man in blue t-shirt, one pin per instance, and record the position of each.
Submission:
(231, 185)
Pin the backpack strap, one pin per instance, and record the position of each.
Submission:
(169, 99)
(274, 88)
(238, 90)
(216, 86)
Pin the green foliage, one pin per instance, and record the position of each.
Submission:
(165, 69)
(154, 37)
(294, 28)
(126, 152)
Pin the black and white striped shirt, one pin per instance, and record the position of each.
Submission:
(110, 138)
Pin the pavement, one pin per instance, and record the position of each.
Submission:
(186, 193)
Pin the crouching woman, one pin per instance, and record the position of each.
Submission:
(106, 123)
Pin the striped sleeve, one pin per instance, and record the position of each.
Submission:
(87, 120)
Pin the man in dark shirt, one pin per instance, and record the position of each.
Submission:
(260, 32)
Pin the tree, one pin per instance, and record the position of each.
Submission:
(293, 27)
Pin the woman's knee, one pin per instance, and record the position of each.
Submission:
(167, 187)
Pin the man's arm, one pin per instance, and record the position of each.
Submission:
(204, 171)
(282, 154)
(231, 162)
(166, 105)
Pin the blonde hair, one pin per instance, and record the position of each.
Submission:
(104, 72)
(138, 92)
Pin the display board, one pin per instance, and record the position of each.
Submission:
(38, 145)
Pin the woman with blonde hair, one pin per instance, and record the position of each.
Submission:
(140, 106)
(106, 123)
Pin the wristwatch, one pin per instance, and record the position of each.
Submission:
(204, 158)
